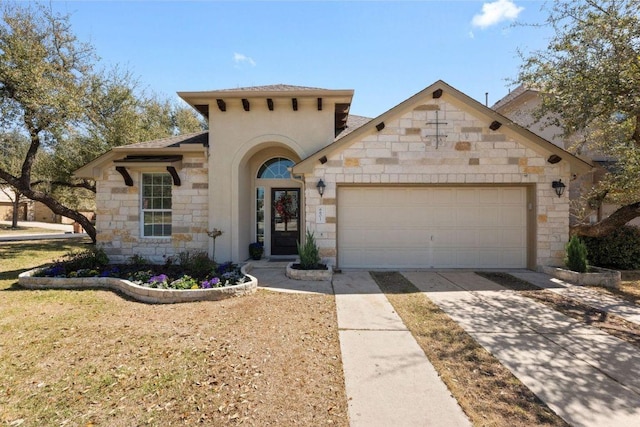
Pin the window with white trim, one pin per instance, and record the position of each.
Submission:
(156, 205)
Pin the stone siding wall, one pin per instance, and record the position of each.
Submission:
(118, 218)
(406, 151)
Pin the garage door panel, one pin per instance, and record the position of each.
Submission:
(454, 227)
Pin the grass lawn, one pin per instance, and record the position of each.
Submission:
(96, 358)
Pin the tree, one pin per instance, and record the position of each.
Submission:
(13, 147)
(589, 76)
(70, 114)
(43, 85)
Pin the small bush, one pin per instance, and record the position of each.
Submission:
(619, 250)
(138, 260)
(576, 255)
(309, 253)
(197, 264)
(91, 259)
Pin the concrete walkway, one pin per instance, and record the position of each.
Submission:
(586, 376)
(389, 381)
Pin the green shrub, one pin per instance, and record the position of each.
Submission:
(576, 255)
(619, 250)
(309, 253)
(90, 259)
(197, 264)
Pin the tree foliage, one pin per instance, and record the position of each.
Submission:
(589, 76)
(69, 112)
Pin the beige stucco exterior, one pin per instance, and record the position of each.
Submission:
(399, 148)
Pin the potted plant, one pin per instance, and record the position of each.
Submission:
(256, 250)
(310, 266)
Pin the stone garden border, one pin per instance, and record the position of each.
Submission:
(597, 276)
(137, 292)
(317, 275)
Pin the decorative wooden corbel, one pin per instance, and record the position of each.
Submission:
(174, 174)
(125, 174)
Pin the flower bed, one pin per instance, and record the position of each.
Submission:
(137, 291)
(166, 283)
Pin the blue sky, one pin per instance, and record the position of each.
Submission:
(385, 50)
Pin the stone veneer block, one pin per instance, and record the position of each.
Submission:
(534, 169)
(463, 146)
(351, 162)
(493, 137)
(412, 131)
(387, 161)
(474, 161)
(192, 165)
(200, 185)
(471, 129)
(427, 107)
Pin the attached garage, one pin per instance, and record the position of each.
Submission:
(432, 227)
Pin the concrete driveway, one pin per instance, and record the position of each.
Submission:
(589, 378)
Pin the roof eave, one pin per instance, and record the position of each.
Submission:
(92, 169)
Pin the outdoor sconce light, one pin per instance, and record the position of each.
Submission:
(321, 185)
(559, 187)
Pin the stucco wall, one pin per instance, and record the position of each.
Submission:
(118, 215)
(237, 136)
(470, 154)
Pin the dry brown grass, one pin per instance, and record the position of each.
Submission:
(487, 391)
(82, 358)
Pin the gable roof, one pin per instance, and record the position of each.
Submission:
(174, 144)
(536, 142)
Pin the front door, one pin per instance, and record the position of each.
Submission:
(285, 221)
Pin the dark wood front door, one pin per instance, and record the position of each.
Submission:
(285, 221)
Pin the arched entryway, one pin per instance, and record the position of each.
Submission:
(273, 199)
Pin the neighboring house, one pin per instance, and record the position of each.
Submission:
(520, 105)
(437, 181)
(28, 210)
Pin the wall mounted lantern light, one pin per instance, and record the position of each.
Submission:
(559, 187)
(321, 186)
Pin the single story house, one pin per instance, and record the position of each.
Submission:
(438, 181)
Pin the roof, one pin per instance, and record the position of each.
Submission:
(165, 146)
(353, 123)
(200, 138)
(208, 102)
(441, 89)
(273, 88)
(513, 94)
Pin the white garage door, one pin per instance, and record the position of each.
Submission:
(439, 227)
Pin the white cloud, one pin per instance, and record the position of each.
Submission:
(239, 59)
(496, 12)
